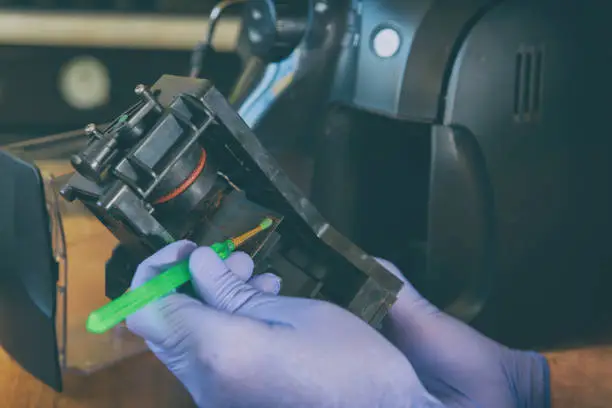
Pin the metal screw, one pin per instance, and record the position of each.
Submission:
(92, 130)
(142, 90)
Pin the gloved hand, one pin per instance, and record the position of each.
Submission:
(458, 365)
(244, 346)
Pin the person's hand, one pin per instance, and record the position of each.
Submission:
(242, 345)
(458, 365)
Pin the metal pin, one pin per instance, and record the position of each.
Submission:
(140, 89)
(92, 130)
(144, 92)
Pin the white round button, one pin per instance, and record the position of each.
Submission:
(84, 83)
(386, 42)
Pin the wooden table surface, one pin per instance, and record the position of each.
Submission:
(140, 381)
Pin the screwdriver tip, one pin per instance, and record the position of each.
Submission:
(266, 223)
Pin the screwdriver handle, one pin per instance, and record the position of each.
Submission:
(113, 313)
(119, 309)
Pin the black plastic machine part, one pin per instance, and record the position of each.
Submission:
(271, 31)
(274, 29)
(336, 89)
(483, 128)
(181, 163)
(28, 272)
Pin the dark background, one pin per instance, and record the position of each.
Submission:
(31, 103)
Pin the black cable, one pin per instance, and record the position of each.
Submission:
(201, 49)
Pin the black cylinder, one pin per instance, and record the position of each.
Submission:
(182, 190)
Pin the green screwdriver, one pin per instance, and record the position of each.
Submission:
(113, 313)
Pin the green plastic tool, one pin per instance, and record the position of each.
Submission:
(115, 312)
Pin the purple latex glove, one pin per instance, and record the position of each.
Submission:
(244, 346)
(458, 365)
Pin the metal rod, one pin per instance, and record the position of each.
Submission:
(108, 30)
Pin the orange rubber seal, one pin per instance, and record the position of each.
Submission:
(185, 184)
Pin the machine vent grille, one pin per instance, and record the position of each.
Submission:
(528, 84)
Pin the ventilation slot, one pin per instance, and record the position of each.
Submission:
(528, 83)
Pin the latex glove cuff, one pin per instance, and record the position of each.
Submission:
(531, 379)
